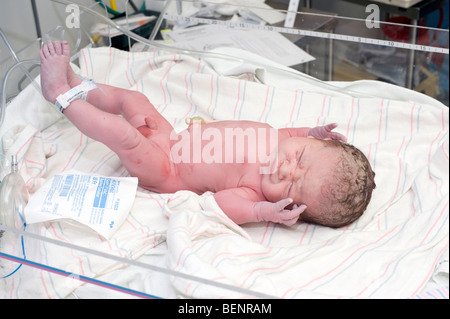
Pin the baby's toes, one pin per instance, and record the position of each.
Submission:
(57, 47)
(50, 49)
(65, 49)
(45, 53)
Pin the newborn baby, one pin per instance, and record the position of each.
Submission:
(257, 173)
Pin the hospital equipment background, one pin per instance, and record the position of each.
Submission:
(334, 59)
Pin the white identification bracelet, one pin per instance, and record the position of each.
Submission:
(78, 92)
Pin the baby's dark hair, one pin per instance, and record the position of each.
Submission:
(347, 193)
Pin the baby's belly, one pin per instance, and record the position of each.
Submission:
(218, 155)
(224, 142)
(200, 178)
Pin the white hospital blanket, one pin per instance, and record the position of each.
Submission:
(390, 252)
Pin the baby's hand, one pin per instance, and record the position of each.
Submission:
(325, 133)
(277, 212)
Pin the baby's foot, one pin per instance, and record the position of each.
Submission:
(72, 78)
(55, 59)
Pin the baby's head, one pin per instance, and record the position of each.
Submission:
(348, 190)
(333, 179)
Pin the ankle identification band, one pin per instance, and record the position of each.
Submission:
(78, 92)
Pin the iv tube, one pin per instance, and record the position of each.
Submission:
(13, 199)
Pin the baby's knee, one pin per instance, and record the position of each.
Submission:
(132, 96)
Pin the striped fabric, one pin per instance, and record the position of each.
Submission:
(390, 252)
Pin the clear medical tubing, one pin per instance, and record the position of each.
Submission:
(18, 63)
(5, 80)
(13, 54)
(161, 46)
(13, 199)
(164, 47)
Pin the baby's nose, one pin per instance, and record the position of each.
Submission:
(286, 169)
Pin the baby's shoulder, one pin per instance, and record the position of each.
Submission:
(251, 180)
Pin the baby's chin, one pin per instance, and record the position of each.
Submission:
(266, 189)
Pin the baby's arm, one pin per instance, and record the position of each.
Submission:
(319, 132)
(242, 205)
(295, 131)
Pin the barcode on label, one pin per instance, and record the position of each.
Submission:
(67, 186)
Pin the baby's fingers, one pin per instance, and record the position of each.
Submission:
(280, 205)
(290, 222)
(338, 137)
(300, 209)
(334, 135)
(330, 127)
(290, 217)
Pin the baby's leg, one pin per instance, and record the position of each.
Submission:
(57, 77)
(133, 105)
(108, 128)
(145, 158)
